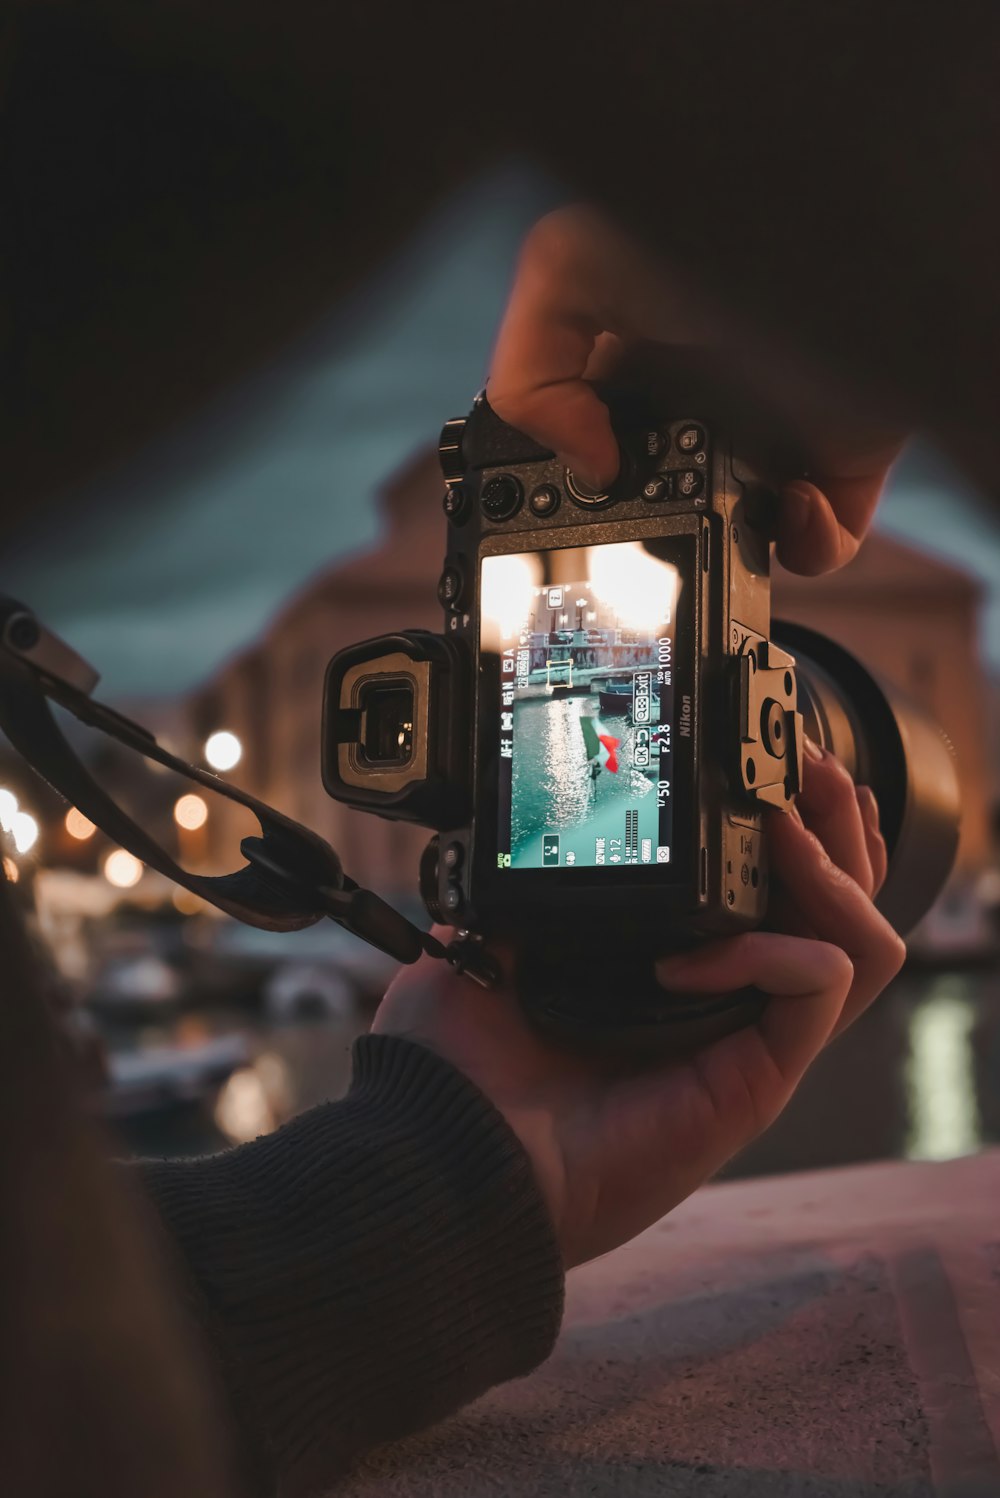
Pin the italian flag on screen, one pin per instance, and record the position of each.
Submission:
(602, 747)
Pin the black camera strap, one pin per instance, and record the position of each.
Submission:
(292, 877)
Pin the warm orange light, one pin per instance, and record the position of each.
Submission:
(79, 826)
(190, 812)
(122, 869)
(11, 869)
(187, 902)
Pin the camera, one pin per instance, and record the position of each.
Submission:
(609, 709)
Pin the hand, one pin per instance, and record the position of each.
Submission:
(584, 293)
(614, 1148)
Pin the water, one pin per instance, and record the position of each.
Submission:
(553, 790)
(917, 1077)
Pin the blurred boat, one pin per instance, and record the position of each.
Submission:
(163, 1078)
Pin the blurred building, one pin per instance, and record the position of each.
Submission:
(270, 695)
(904, 613)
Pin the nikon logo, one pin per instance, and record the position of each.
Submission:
(684, 726)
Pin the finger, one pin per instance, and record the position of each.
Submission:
(833, 906)
(551, 328)
(786, 967)
(824, 518)
(744, 1080)
(829, 807)
(820, 529)
(878, 855)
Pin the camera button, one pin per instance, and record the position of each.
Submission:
(452, 899)
(452, 857)
(501, 497)
(689, 483)
(583, 495)
(690, 439)
(456, 504)
(655, 444)
(655, 489)
(451, 585)
(544, 500)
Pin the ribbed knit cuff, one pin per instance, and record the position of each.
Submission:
(370, 1267)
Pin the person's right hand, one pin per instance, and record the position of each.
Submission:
(583, 294)
(615, 1146)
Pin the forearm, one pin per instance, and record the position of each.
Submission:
(369, 1268)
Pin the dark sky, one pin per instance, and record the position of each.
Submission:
(160, 570)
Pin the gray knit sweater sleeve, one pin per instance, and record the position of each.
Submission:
(367, 1269)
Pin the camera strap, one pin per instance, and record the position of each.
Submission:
(292, 877)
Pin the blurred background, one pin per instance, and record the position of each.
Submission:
(210, 577)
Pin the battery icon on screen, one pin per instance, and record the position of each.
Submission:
(647, 850)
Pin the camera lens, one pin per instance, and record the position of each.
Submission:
(888, 743)
(387, 732)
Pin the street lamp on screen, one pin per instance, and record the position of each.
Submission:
(223, 750)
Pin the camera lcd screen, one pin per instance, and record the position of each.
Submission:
(590, 702)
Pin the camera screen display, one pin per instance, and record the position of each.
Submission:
(590, 704)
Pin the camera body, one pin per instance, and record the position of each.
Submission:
(595, 733)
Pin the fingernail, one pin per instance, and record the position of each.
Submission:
(796, 509)
(869, 807)
(812, 749)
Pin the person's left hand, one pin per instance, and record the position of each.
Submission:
(615, 1147)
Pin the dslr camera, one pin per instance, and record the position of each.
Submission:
(609, 709)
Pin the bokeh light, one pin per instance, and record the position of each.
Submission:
(24, 831)
(223, 750)
(11, 869)
(122, 869)
(187, 902)
(8, 808)
(79, 826)
(190, 812)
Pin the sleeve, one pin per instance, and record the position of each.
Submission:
(367, 1269)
